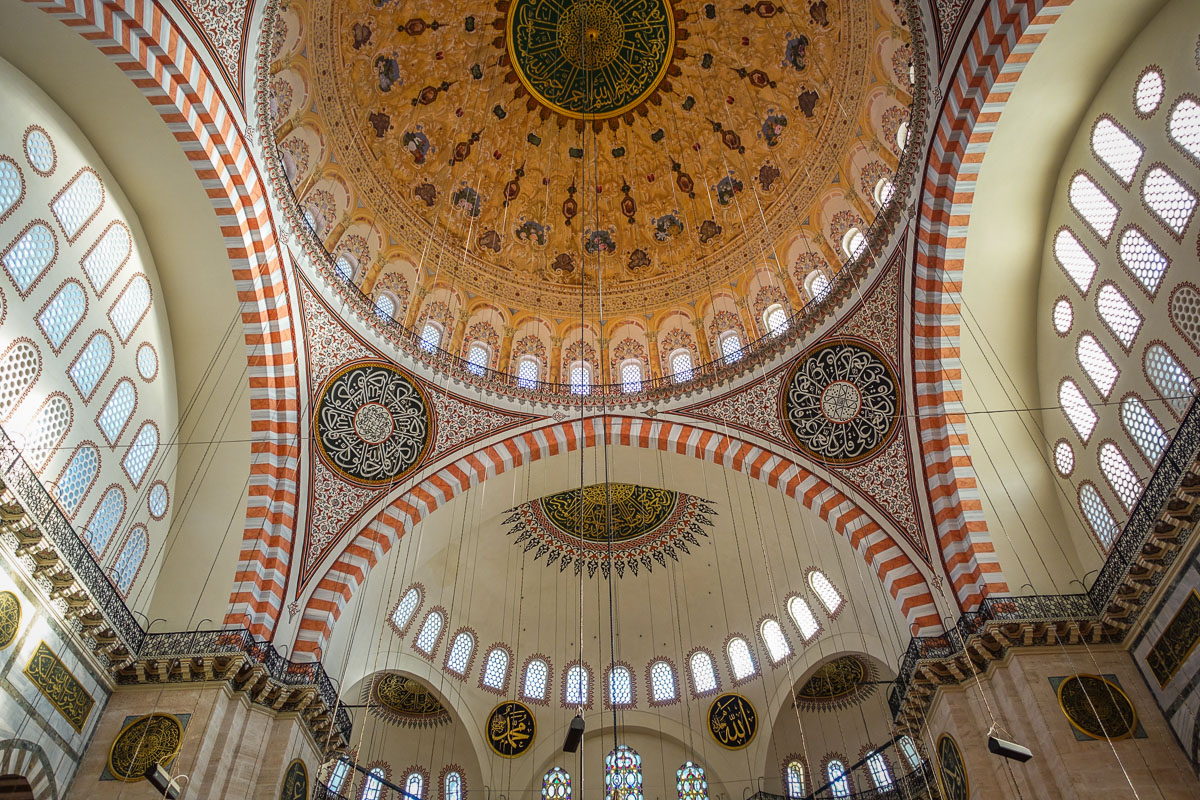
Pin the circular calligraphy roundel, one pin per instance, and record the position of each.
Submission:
(595, 57)
(1097, 707)
(511, 729)
(840, 402)
(732, 721)
(953, 771)
(373, 423)
(152, 739)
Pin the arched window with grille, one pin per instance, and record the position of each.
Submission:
(883, 192)
(117, 410)
(1098, 517)
(62, 314)
(576, 687)
(1078, 410)
(704, 673)
(373, 785)
(414, 785)
(337, 776)
(681, 365)
(854, 243)
(1093, 206)
(28, 258)
(663, 688)
(775, 319)
(881, 774)
(1120, 476)
(1119, 315)
(1074, 260)
(691, 782)
(529, 371)
(777, 644)
(741, 660)
(631, 376)
(343, 269)
(385, 305)
(1169, 198)
(620, 687)
(537, 674)
(731, 346)
(106, 256)
(48, 428)
(76, 478)
(794, 775)
(106, 518)
(141, 453)
(1169, 379)
(816, 283)
(1184, 126)
(623, 774)
(1143, 428)
(431, 336)
(909, 749)
(804, 618)
(827, 593)
(130, 307)
(556, 784)
(461, 650)
(1116, 149)
(91, 364)
(580, 377)
(452, 786)
(20, 366)
(431, 631)
(406, 608)
(838, 777)
(478, 356)
(1097, 364)
(133, 553)
(495, 669)
(80, 201)
(1141, 257)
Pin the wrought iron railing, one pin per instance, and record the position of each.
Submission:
(920, 783)
(1180, 454)
(45, 513)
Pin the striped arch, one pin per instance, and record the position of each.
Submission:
(141, 39)
(28, 760)
(989, 67)
(890, 563)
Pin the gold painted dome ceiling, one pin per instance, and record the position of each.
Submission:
(511, 148)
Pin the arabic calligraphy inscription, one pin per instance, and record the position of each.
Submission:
(1177, 641)
(511, 729)
(955, 784)
(55, 681)
(732, 721)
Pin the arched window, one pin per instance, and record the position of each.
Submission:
(1074, 259)
(576, 686)
(731, 346)
(75, 206)
(1185, 126)
(1078, 410)
(537, 672)
(804, 618)
(902, 135)
(881, 775)
(829, 596)
(817, 285)
(777, 644)
(117, 410)
(623, 771)
(1142, 258)
(105, 519)
(1122, 319)
(141, 453)
(373, 785)
(1064, 315)
(839, 779)
(337, 775)
(631, 375)
(77, 478)
(61, 315)
(1116, 149)
(556, 784)
(1120, 475)
(91, 364)
(414, 785)
(1096, 363)
(19, 368)
(681, 365)
(29, 256)
(405, 608)
(883, 192)
(580, 374)
(1149, 92)
(495, 669)
(460, 653)
(620, 687)
(1096, 512)
(385, 305)
(776, 319)
(662, 683)
(343, 269)
(131, 305)
(528, 372)
(106, 256)
(1171, 201)
(690, 782)
(12, 186)
(130, 559)
(452, 788)
(1169, 379)
(431, 336)
(477, 357)
(1093, 206)
(853, 242)
(910, 752)
(795, 780)
(431, 631)
(1064, 458)
(1143, 428)
(704, 673)
(49, 427)
(741, 662)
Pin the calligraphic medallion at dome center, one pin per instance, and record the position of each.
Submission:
(373, 423)
(952, 769)
(732, 721)
(840, 402)
(593, 58)
(511, 729)
(152, 739)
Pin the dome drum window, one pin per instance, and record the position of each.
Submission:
(775, 319)
(1184, 127)
(1169, 199)
(78, 203)
(830, 597)
(741, 660)
(1093, 205)
(462, 649)
(431, 632)
(405, 610)
(1148, 93)
(1142, 259)
(577, 681)
(528, 372)
(703, 673)
(620, 687)
(1119, 152)
(431, 337)
(494, 676)
(664, 688)
(1074, 260)
(535, 685)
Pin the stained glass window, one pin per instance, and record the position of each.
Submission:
(881, 775)
(405, 608)
(1096, 363)
(1149, 92)
(1093, 205)
(910, 751)
(731, 347)
(1120, 475)
(1142, 258)
(78, 203)
(477, 358)
(1079, 412)
(460, 653)
(385, 306)
(126, 314)
(1185, 125)
(1064, 315)
(29, 256)
(681, 365)
(107, 256)
(620, 687)
(1118, 314)
(1116, 149)
(741, 662)
(776, 319)
(662, 682)
(631, 376)
(91, 364)
(777, 644)
(623, 774)
(49, 427)
(690, 782)
(338, 775)
(556, 784)
(414, 785)
(536, 674)
(105, 519)
(1169, 199)
(527, 372)
(20, 367)
(60, 316)
(428, 636)
(828, 595)
(804, 618)
(495, 668)
(117, 410)
(431, 337)
(130, 559)
(795, 780)
(839, 780)
(1096, 512)
(1170, 380)
(452, 787)
(1143, 428)
(577, 686)
(140, 453)
(1064, 458)
(77, 478)
(704, 673)
(1075, 260)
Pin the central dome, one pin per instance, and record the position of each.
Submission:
(591, 58)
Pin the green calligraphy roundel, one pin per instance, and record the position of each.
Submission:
(590, 58)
